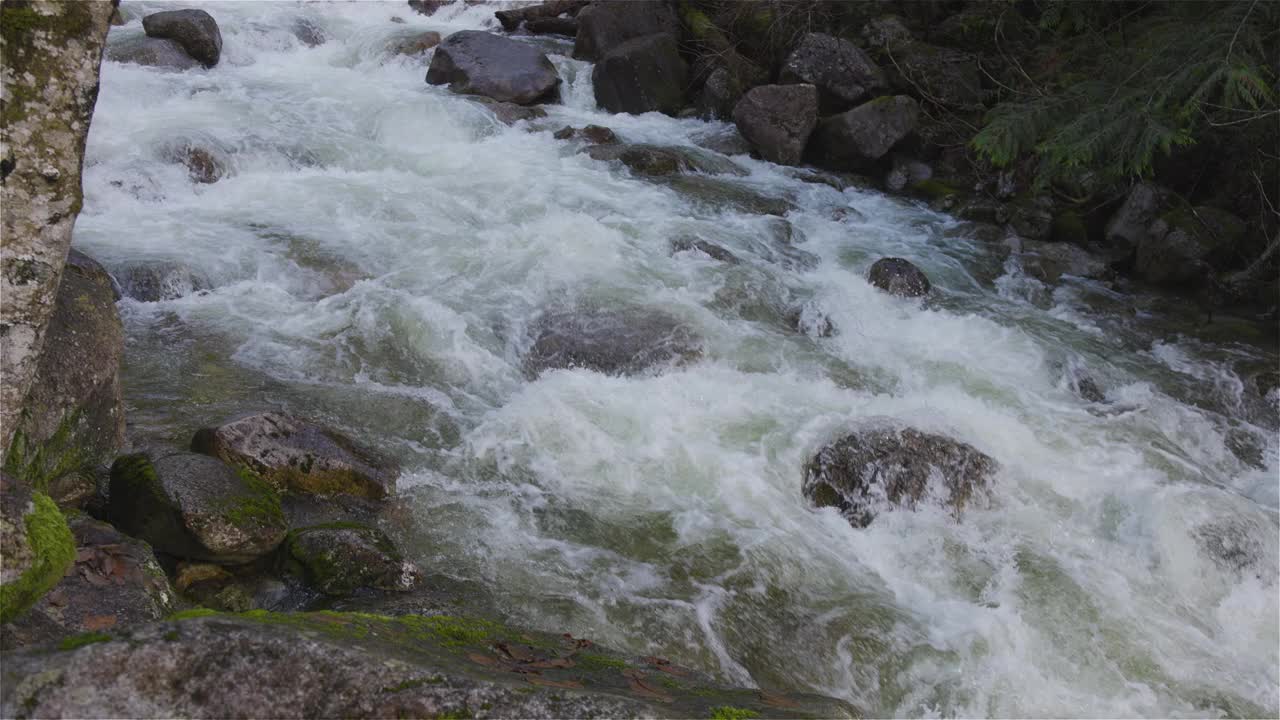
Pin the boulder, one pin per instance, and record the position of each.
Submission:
(566, 26)
(194, 506)
(1186, 245)
(429, 7)
(195, 30)
(1048, 261)
(115, 583)
(76, 404)
(615, 341)
(359, 665)
(942, 75)
(204, 166)
(719, 95)
(907, 173)
(884, 463)
(855, 139)
(842, 72)
(309, 32)
(602, 26)
(593, 134)
(153, 52)
(513, 18)
(777, 120)
(35, 543)
(886, 31)
(718, 194)
(292, 454)
(1127, 228)
(156, 280)
(340, 558)
(710, 249)
(415, 43)
(480, 63)
(641, 75)
(899, 277)
(1032, 220)
(659, 160)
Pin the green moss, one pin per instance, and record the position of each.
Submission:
(932, 189)
(53, 551)
(1069, 227)
(331, 482)
(19, 23)
(451, 631)
(729, 712)
(89, 638)
(462, 714)
(261, 505)
(193, 613)
(592, 661)
(171, 636)
(697, 22)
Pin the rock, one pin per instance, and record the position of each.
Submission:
(49, 62)
(899, 277)
(195, 30)
(481, 63)
(153, 52)
(907, 173)
(203, 165)
(615, 341)
(886, 31)
(429, 7)
(777, 120)
(566, 26)
(117, 18)
(510, 113)
(885, 462)
(413, 43)
(1127, 228)
(308, 32)
(641, 75)
(359, 665)
(711, 250)
(512, 19)
(1048, 262)
(941, 75)
(594, 134)
(291, 454)
(76, 405)
(719, 194)
(855, 139)
(1069, 227)
(340, 558)
(115, 583)
(603, 26)
(1186, 245)
(1032, 220)
(35, 543)
(843, 73)
(656, 160)
(156, 280)
(718, 96)
(397, 20)
(809, 320)
(984, 210)
(193, 506)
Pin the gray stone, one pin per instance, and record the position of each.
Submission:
(510, 113)
(1127, 228)
(480, 63)
(309, 32)
(852, 140)
(529, 15)
(614, 341)
(641, 75)
(899, 277)
(1185, 246)
(156, 280)
(414, 43)
(195, 30)
(658, 160)
(777, 120)
(886, 31)
(842, 72)
(153, 52)
(1048, 262)
(602, 26)
(340, 558)
(710, 249)
(719, 194)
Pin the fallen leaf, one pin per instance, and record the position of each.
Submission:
(539, 680)
(640, 687)
(518, 653)
(99, 622)
(664, 665)
(481, 659)
(560, 662)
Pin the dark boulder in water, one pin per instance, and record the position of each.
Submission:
(777, 120)
(899, 277)
(886, 463)
(195, 30)
(480, 63)
(641, 75)
(153, 281)
(603, 26)
(623, 341)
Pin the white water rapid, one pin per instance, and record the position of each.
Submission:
(380, 247)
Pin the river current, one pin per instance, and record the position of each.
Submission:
(380, 248)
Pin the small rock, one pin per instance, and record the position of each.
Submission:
(907, 173)
(1048, 262)
(203, 166)
(193, 506)
(195, 30)
(617, 341)
(809, 320)
(656, 161)
(777, 120)
(510, 113)
(641, 75)
(340, 558)
(295, 455)
(480, 63)
(594, 134)
(414, 44)
(397, 19)
(842, 72)
(719, 194)
(711, 250)
(899, 277)
(854, 139)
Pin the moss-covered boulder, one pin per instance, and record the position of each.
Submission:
(194, 506)
(1187, 244)
(340, 558)
(293, 454)
(884, 465)
(115, 583)
(604, 26)
(35, 543)
(352, 665)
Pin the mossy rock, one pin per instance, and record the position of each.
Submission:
(1069, 227)
(340, 558)
(36, 545)
(327, 664)
(193, 506)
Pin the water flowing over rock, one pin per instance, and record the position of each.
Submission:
(612, 341)
(156, 280)
(841, 71)
(641, 75)
(415, 43)
(854, 139)
(194, 506)
(1048, 262)
(195, 30)
(513, 18)
(777, 120)
(602, 26)
(293, 454)
(480, 63)
(594, 134)
(1184, 246)
(901, 466)
(657, 161)
(340, 558)
(154, 52)
(899, 277)
(51, 52)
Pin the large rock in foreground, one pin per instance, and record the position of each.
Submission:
(777, 120)
(195, 30)
(480, 63)
(35, 543)
(841, 71)
(641, 75)
(292, 454)
(854, 140)
(602, 26)
(615, 341)
(885, 465)
(195, 507)
(328, 664)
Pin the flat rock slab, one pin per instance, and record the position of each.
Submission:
(480, 63)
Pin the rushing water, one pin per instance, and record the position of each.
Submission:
(380, 248)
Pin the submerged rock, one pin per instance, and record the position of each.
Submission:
(1048, 261)
(641, 75)
(719, 194)
(357, 665)
(711, 250)
(415, 43)
(899, 277)
(1186, 245)
(292, 454)
(887, 463)
(480, 63)
(308, 32)
(594, 134)
(153, 52)
(194, 506)
(35, 543)
(841, 71)
(510, 113)
(340, 558)
(658, 160)
(195, 30)
(203, 165)
(156, 280)
(854, 139)
(529, 15)
(615, 341)
(777, 120)
(603, 26)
